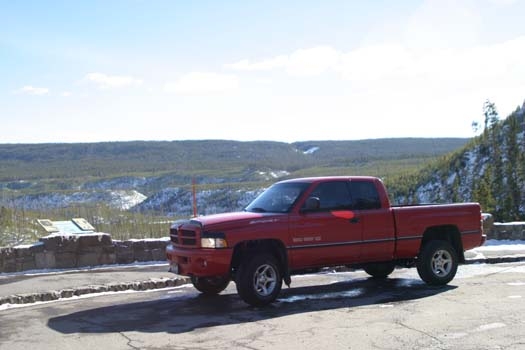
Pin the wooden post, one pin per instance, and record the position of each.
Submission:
(194, 197)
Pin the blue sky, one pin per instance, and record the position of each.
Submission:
(89, 71)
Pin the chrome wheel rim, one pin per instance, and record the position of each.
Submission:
(442, 263)
(265, 280)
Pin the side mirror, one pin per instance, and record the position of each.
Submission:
(312, 203)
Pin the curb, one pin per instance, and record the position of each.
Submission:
(496, 260)
(29, 298)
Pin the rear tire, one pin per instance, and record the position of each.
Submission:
(437, 263)
(259, 280)
(380, 270)
(210, 285)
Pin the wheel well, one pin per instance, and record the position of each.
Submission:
(449, 233)
(270, 246)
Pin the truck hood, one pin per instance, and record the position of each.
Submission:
(232, 220)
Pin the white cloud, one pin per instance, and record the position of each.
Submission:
(31, 90)
(503, 2)
(264, 65)
(105, 81)
(304, 62)
(399, 66)
(198, 83)
(313, 61)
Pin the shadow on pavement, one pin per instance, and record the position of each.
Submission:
(185, 313)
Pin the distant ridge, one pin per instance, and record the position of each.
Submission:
(108, 159)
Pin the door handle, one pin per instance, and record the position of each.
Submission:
(354, 220)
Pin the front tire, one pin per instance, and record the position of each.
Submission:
(259, 280)
(437, 263)
(210, 285)
(380, 270)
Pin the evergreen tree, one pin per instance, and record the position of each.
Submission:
(482, 192)
(491, 114)
(512, 200)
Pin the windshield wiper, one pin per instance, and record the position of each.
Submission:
(258, 210)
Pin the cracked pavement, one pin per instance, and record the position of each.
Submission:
(481, 309)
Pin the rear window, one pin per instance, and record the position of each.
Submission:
(364, 195)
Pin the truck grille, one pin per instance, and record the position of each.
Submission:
(186, 238)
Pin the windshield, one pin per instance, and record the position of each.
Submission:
(278, 198)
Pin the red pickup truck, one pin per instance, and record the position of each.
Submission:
(310, 223)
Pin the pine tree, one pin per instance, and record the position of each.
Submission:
(512, 207)
(482, 192)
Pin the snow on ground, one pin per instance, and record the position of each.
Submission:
(499, 245)
(311, 150)
(8, 306)
(83, 269)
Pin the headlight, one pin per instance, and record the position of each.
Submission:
(213, 240)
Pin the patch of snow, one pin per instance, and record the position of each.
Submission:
(490, 326)
(144, 264)
(27, 246)
(345, 294)
(279, 173)
(8, 306)
(504, 244)
(120, 199)
(147, 239)
(451, 178)
(511, 223)
(312, 150)
(124, 200)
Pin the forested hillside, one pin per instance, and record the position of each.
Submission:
(134, 189)
(490, 169)
(124, 187)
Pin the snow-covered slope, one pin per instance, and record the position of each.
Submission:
(119, 199)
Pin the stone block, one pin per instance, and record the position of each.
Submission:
(93, 249)
(26, 298)
(47, 296)
(124, 256)
(25, 263)
(22, 252)
(156, 244)
(142, 255)
(52, 242)
(65, 260)
(88, 259)
(45, 260)
(67, 293)
(124, 252)
(94, 240)
(36, 248)
(138, 246)
(5, 255)
(158, 254)
(488, 222)
(69, 244)
(518, 232)
(95, 258)
(9, 264)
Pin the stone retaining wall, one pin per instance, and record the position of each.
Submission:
(504, 231)
(83, 250)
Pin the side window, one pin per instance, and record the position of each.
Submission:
(333, 195)
(364, 195)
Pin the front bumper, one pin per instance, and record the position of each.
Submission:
(199, 262)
